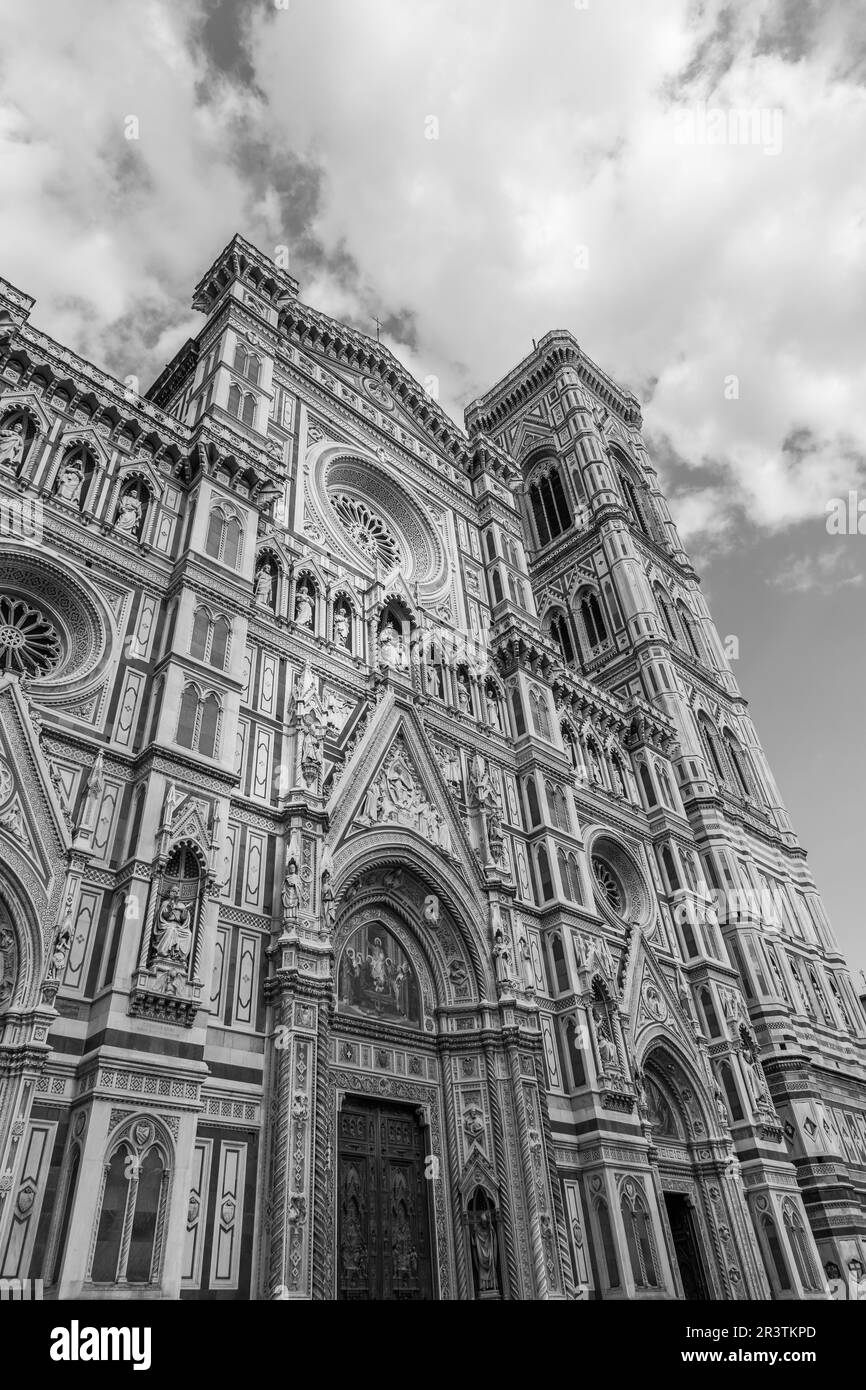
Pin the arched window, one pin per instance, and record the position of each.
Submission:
(573, 1034)
(593, 619)
(540, 713)
(799, 1244)
(560, 966)
(670, 868)
(564, 878)
(550, 510)
(634, 506)
(234, 402)
(732, 1095)
(649, 791)
(666, 609)
(210, 638)
(690, 627)
(544, 875)
(557, 806)
(519, 716)
(712, 745)
(774, 1250)
(130, 1229)
(574, 878)
(220, 643)
(200, 634)
(208, 725)
(199, 721)
(247, 364)
(248, 413)
(667, 790)
(608, 1244)
(742, 770)
(638, 1236)
(559, 631)
(496, 581)
(490, 542)
(710, 1014)
(612, 604)
(224, 534)
(532, 801)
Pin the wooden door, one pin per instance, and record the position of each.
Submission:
(383, 1239)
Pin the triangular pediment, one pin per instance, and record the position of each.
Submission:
(87, 436)
(533, 432)
(652, 1002)
(393, 786)
(26, 400)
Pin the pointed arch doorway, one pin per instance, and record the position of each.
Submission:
(672, 1112)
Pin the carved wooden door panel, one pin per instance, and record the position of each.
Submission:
(383, 1235)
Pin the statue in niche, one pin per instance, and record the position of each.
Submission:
(595, 773)
(70, 481)
(641, 1093)
(443, 833)
(264, 586)
(329, 910)
(492, 710)
(304, 615)
(12, 444)
(616, 773)
(483, 1240)
(501, 957)
(390, 647)
(342, 627)
(721, 1105)
(311, 750)
(757, 1086)
(464, 699)
(174, 924)
(606, 1049)
(129, 515)
(291, 892)
(683, 991)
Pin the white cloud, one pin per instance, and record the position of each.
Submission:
(556, 132)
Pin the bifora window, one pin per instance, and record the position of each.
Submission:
(550, 509)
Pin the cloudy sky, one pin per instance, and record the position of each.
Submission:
(683, 185)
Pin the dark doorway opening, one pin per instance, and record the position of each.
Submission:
(687, 1248)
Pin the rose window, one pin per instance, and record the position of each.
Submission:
(609, 884)
(367, 530)
(29, 645)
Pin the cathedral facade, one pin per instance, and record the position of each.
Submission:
(395, 899)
